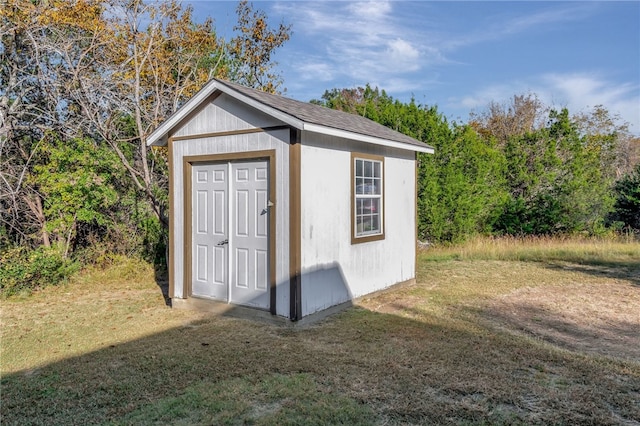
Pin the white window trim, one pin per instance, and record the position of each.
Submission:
(369, 236)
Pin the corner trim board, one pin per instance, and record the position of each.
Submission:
(295, 227)
(170, 267)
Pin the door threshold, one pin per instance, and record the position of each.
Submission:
(218, 307)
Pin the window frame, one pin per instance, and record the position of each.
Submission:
(364, 238)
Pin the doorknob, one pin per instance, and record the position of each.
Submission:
(223, 242)
(266, 209)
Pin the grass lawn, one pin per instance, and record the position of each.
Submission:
(494, 332)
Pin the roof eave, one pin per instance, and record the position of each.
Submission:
(330, 131)
(159, 137)
(273, 112)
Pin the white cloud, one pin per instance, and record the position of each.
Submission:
(372, 10)
(315, 71)
(404, 49)
(403, 53)
(582, 91)
(358, 42)
(507, 25)
(575, 91)
(362, 42)
(545, 18)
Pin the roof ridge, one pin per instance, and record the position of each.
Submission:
(332, 118)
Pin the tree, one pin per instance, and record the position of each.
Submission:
(556, 181)
(560, 168)
(26, 112)
(77, 180)
(110, 71)
(460, 186)
(627, 204)
(252, 49)
(522, 114)
(606, 133)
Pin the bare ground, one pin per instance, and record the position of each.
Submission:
(603, 320)
(596, 311)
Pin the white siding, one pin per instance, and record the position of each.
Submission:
(276, 140)
(225, 114)
(334, 270)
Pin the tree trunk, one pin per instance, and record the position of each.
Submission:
(35, 205)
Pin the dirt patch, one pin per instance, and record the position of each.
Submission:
(601, 319)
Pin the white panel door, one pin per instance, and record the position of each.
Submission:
(209, 250)
(230, 259)
(249, 242)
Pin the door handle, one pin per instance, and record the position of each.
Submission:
(223, 242)
(266, 209)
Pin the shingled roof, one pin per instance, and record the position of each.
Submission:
(302, 115)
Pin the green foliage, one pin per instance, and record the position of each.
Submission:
(24, 270)
(153, 239)
(76, 179)
(90, 81)
(557, 181)
(627, 204)
(90, 209)
(459, 186)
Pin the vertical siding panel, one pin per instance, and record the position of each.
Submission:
(334, 270)
(282, 222)
(224, 114)
(230, 122)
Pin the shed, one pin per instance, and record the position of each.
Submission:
(283, 206)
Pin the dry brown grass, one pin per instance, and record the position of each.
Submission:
(580, 317)
(479, 339)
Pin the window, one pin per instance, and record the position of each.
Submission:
(367, 202)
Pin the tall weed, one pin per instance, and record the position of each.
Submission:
(539, 248)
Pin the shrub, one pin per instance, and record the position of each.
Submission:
(24, 270)
(627, 206)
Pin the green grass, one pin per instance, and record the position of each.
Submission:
(277, 399)
(494, 333)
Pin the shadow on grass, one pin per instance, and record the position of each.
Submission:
(358, 367)
(623, 270)
(616, 339)
(162, 281)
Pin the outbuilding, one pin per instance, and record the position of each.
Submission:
(283, 206)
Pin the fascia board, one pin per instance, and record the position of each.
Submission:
(159, 136)
(277, 114)
(315, 128)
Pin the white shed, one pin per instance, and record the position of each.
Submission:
(284, 206)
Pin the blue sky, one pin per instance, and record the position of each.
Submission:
(459, 55)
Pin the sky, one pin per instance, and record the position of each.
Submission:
(458, 56)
